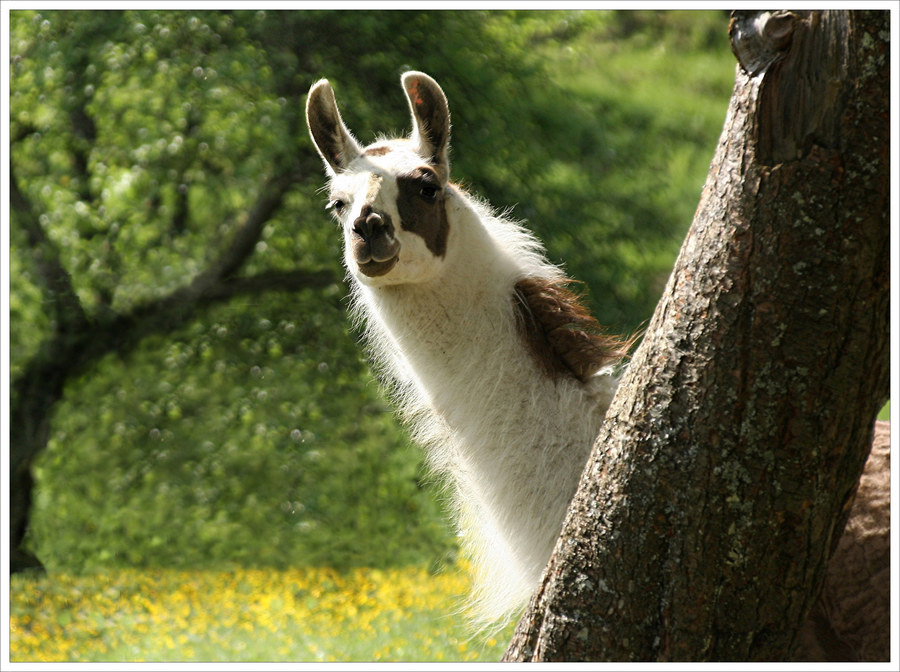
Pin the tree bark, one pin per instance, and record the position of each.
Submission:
(722, 478)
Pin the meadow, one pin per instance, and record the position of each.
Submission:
(260, 615)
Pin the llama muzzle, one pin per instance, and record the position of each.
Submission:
(375, 249)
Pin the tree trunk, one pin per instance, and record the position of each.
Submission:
(722, 479)
(34, 394)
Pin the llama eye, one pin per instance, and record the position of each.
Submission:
(428, 192)
(337, 205)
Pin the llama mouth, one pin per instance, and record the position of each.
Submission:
(374, 269)
(376, 255)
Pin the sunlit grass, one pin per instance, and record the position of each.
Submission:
(245, 615)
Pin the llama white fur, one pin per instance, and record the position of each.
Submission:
(444, 324)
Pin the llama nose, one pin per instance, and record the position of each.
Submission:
(371, 224)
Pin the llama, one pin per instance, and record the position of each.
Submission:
(494, 363)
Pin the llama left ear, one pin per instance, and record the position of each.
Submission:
(431, 120)
(329, 134)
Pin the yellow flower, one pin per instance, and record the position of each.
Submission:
(297, 614)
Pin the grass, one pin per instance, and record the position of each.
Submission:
(245, 615)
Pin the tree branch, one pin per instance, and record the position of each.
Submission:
(243, 243)
(268, 281)
(64, 355)
(172, 311)
(84, 134)
(23, 130)
(70, 315)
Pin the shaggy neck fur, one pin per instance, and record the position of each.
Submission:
(511, 439)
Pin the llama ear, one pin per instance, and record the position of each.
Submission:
(431, 119)
(329, 134)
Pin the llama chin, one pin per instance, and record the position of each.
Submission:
(499, 370)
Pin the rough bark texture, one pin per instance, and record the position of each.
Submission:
(722, 479)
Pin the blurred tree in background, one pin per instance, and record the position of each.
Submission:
(186, 389)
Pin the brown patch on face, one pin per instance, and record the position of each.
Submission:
(421, 205)
(559, 332)
(377, 151)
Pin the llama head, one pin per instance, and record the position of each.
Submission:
(389, 197)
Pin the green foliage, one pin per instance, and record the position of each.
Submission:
(253, 437)
(615, 146)
(256, 434)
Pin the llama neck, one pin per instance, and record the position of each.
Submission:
(459, 329)
(513, 439)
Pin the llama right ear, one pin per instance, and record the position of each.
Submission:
(329, 134)
(431, 120)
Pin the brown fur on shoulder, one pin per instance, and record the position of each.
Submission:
(560, 333)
